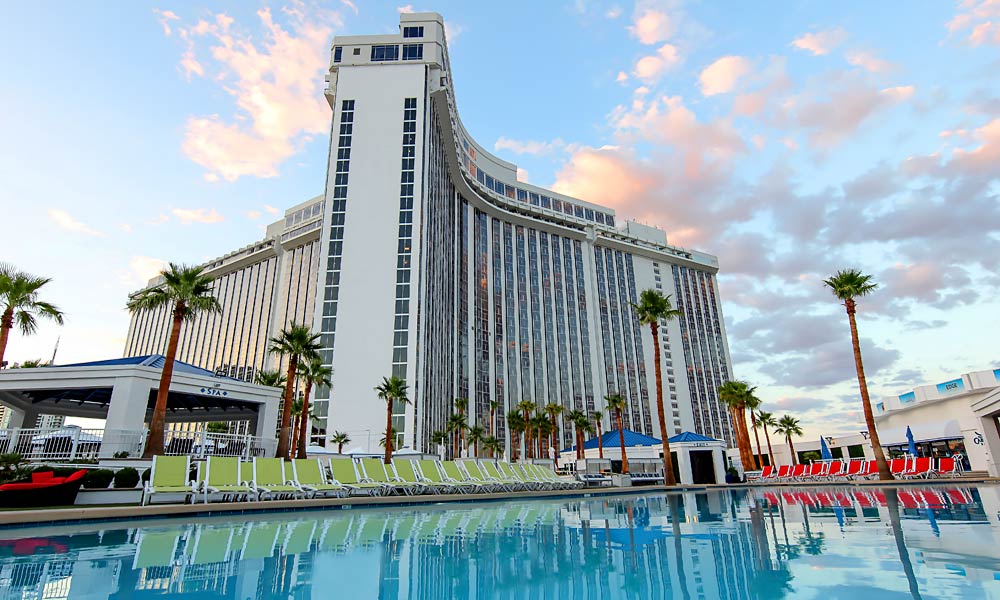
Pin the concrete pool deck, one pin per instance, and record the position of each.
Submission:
(16, 519)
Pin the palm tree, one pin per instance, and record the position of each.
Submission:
(494, 405)
(789, 426)
(312, 373)
(476, 434)
(598, 418)
(299, 344)
(579, 419)
(188, 292)
(515, 427)
(19, 302)
(527, 407)
(618, 404)
(553, 410)
(654, 307)
(296, 413)
(392, 390)
(493, 446)
(392, 434)
(273, 378)
(752, 403)
(340, 438)
(438, 438)
(543, 429)
(766, 419)
(461, 404)
(734, 395)
(847, 285)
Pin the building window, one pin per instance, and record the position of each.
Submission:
(338, 53)
(385, 52)
(413, 52)
(357, 52)
(413, 32)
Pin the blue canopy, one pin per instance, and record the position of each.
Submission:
(610, 439)
(824, 450)
(909, 440)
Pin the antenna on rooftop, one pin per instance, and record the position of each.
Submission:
(54, 350)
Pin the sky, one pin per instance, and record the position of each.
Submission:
(790, 139)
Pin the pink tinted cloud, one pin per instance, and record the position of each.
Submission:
(978, 21)
(651, 26)
(721, 76)
(164, 17)
(820, 42)
(652, 67)
(868, 61)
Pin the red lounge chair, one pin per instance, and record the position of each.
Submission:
(44, 490)
(869, 470)
(766, 473)
(836, 469)
(947, 467)
(784, 471)
(897, 466)
(919, 467)
(816, 470)
(798, 472)
(959, 497)
(853, 468)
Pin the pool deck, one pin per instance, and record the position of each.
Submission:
(13, 519)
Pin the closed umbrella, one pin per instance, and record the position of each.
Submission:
(909, 440)
(824, 450)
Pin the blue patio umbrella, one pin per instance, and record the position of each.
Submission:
(824, 450)
(909, 440)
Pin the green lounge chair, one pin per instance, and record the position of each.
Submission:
(508, 484)
(156, 548)
(432, 476)
(517, 473)
(473, 473)
(547, 477)
(310, 475)
(406, 471)
(299, 538)
(221, 475)
(345, 474)
(375, 472)
(335, 534)
(260, 541)
(453, 474)
(168, 475)
(269, 479)
(210, 545)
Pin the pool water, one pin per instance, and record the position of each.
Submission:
(828, 543)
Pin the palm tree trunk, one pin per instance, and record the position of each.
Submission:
(621, 440)
(6, 323)
(286, 411)
(340, 448)
(154, 442)
(883, 467)
(305, 425)
(770, 453)
(745, 454)
(668, 459)
(388, 431)
(600, 442)
(791, 448)
(527, 436)
(296, 419)
(461, 432)
(756, 434)
(554, 432)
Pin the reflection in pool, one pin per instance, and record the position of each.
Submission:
(929, 542)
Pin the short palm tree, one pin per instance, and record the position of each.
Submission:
(493, 446)
(391, 390)
(456, 425)
(598, 418)
(187, 292)
(848, 285)
(476, 434)
(392, 434)
(527, 407)
(765, 420)
(19, 303)
(543, 429)
(312, 373)
(789, 426)
(494, 405)
(515, 427)
(579, 420)
(616, 403)
(340, 438)
(273, 378)
(461, 405)
(554, 410)
(298, 343)
(438, 438)
(652, 308)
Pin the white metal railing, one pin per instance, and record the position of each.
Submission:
(200, 444)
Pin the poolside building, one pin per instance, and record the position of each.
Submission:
(428, 259)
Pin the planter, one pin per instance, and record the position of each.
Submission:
(42, 491)
(621, 480)
(109, 496)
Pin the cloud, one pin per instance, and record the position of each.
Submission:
(141, 269)
(651, 26)
(622, 77)
(407, 9)
(820, 42)
(978, 21)
(68, 222)
(274, 80)
(253, 214)
(522, 175)
(721, 76)
(868, 61)
(271, 209)
(452, 31)
(614, 12)
(351, 5)
(188, 216)
(650, 68)
(163, 17)
(527, 146)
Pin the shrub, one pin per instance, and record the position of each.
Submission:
(145, 475)
(122, 454)
(98, 479)
(127, 478)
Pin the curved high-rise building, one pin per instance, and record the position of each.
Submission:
(427, 259)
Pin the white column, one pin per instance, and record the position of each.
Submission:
(126, 415)
(267, 419)
(22, 418)
(684, 464)
(719, 461)
(991, 447)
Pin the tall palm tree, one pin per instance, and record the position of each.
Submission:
(19, 303)
(476, 434)
(493, 446)
(392, 390)
(554, 410)
(312, 373)
(494, 405)
(598, 418)
(439, 438)
(618, 404)
(273, 378)
(456, 426)
(543, 429)
(340, 438)
(461, 405)
(527, 407)
(187, 291)
(654, 307)
(734, 395)
(579, 420)
(766, 419)
(296, 413)
(515, 427)
(299, 344)
(789, 426)
(848, 285)
(752, 403)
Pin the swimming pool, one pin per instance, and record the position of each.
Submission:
(852, 542)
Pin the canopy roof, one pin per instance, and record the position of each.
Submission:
(147, 360)
(611, 439)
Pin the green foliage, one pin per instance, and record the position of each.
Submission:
(274, 378)
(296, 341)
(217, 427)
(19, 299)
(146, 474)
(9, 460)
(126, 478)
(849, 284)
(654, 307)
(788, 426)
(31, 363)
(392, 389)
(121, 454)
(185, 290)
(98, 479)
(809, 455)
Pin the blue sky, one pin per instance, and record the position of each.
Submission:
(790, 139)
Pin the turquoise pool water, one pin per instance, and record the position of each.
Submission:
(824, 543)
